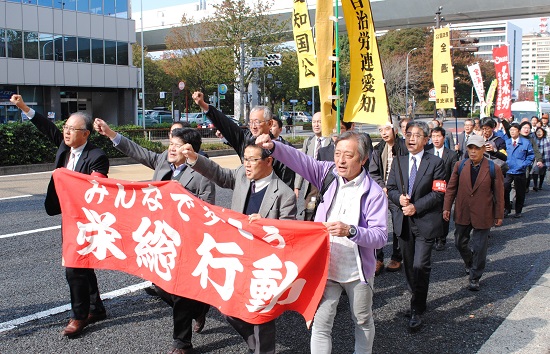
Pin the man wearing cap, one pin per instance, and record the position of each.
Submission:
(477, 186)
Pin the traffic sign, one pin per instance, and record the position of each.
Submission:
(256, 64)
(432, 95)
(293, 101)
(181, 85)
(273, 56)
(222, 89)
(222, 97)
(273, 63)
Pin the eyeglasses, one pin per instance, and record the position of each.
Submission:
(251, 160)
(256, 123)
(72, 129)
(416, 136)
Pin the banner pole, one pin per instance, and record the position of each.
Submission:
(336, 44)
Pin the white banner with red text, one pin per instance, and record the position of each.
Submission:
(160, 232)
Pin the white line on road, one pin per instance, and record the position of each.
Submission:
(17, 196)
(9, 325)
(31, 231)
(25, 174)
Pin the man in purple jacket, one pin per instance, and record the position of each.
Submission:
(354, 210)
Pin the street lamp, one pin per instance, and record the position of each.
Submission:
(407, 83)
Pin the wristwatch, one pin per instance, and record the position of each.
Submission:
(352, 231)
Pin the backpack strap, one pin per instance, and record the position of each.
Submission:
(491, 171)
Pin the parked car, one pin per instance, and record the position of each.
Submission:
(162, 116)
(206, 128)
(193, 117)
(149, 121)
(297, 116)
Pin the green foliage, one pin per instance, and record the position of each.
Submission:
(297, 140)
(215, 146)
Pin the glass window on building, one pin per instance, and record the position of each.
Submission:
(84, 50)
(48, 3)
(122, 8)
(58, 4)
(58, 47)
(109, 7)
(96, 7)
(69, 5)
(122, 53)
(13, 0)
(14, 43)
(32, 2)
(31, 45)
(46, 46)
(83, 5)
(2, 43)
(97, 51)
(110, 52)
(69, 49)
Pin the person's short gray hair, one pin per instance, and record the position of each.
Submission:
(87, 118)
(362, 144)
(419, 124)
(266, 112)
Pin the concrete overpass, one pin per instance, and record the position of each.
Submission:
(388, 14)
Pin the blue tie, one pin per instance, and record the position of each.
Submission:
(412, 177)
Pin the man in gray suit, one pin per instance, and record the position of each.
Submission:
(463, 138)
(259, 193)
(170, 165)
(311, 147)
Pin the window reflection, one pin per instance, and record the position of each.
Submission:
(96, 7)
(69, 50)
(69, 5)
(2, 43)
(110, 52)
(58, 47)
(83, 5)
(46, 46)
(122, 53)
(97, 51)
(84, 50)
(109, 7)
(122, 8)
(48, 3)
(14, 44)
(31, 45)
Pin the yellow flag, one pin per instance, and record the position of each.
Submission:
(367, 101)
(327, 68)
(490, 97)
(305, 47)
(443, 69)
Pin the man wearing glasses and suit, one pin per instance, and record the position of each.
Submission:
(258, 193)
(76, 154)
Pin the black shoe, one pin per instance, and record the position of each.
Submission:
(440, 246)
(507, 213)
(535, 189)
(150, 290)
(415, 322)
(517, 215)
(467, 270)
(474, 285)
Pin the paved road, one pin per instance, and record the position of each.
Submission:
(457, 321)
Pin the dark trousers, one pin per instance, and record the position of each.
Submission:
(84, 291)
(536, 182)
(184, 310)
(520, 182)
(443, 238)
(259, 338)
(396, 250)
(417, 252)
(474, 251)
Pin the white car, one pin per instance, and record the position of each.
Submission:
(193, 117)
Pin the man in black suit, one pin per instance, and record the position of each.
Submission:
(77, 154)
(413, 185)
(449, 159)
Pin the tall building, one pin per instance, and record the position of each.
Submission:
(493, 34)
(536, 55)
(67, 56)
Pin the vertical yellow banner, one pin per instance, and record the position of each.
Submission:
(325, 50)
(367, 101)
(305, 46)
(443, 69)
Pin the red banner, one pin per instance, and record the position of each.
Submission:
(160, 232)
(503, 108)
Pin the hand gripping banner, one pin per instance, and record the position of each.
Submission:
(160, 232)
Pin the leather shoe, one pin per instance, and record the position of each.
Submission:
(517, 215)
(415, 322)
(96, 317)
(393, 266)
(379, 267)
(151, 291)
(440, 246)
(74, 328)
(474, 285)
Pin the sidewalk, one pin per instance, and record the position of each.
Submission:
(526, 330)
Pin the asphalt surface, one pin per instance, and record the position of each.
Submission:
(457, 320)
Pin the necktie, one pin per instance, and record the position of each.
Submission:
(317, 148)
(71, 162)
(515, 143)
(253, 187)
(437, 153)
(466, 141)
(412, 176)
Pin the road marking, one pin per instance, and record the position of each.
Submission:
(9, 325)
(17, 196)
(25, 174)
(31, 231)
